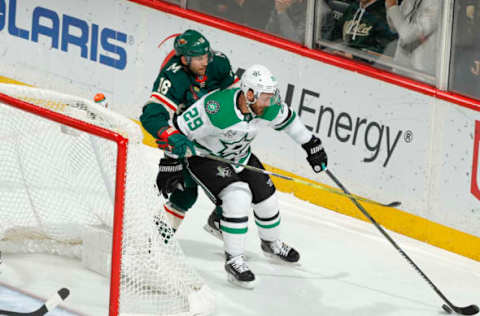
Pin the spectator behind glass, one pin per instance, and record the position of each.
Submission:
(252, 13)
(416, 22)
(465, 69)
(288, 19)
(364, 26)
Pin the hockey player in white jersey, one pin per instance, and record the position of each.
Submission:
(224, 123)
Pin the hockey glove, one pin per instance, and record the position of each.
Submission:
(170, 177)
(316, 155)
(178, 144)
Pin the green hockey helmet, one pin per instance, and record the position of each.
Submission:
(190, 44)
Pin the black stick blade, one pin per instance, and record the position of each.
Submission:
(467, 310)
(394, 204)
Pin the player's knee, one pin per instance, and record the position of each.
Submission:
(185, 199)
(236, 199)
(267, 208)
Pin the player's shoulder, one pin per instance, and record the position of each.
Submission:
(220, 60)
(174, 70)
(225, 96)
(219, 106)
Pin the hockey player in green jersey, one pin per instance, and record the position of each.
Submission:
(192, 72)
(224, 123)
(364, 26)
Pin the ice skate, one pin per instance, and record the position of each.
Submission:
(280, 251)
(213, 225)
(238, 272)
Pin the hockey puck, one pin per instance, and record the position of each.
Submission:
(447, 308)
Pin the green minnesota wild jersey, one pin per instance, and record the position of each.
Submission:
(365, 28)
(176, 88)
(217, 127)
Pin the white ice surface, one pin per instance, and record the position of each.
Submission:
(347, 268)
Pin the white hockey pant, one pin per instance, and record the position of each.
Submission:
(236, 203)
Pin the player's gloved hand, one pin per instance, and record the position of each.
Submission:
(316, 155)
(169, 138)
(170, 176)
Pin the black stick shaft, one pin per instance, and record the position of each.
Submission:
(321, 187)
(384, 233)
(56, 299)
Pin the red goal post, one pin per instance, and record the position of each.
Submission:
(85, 179)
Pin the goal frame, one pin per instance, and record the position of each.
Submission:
(120, 176)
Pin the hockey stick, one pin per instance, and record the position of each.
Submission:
(49, 305)
(467, 310)
(317, 186)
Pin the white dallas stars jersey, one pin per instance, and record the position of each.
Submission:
(217, 127)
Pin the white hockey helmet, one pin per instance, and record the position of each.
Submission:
(260, 80)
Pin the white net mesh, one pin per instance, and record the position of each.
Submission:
(56, 182)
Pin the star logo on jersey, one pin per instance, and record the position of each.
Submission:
(230, 134)
(224, 172)
(236, 149)
(212, 106)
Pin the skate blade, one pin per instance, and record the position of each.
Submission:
(276, 259)
(243, 284)
(215, 233)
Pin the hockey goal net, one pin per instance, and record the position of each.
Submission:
(73, 183)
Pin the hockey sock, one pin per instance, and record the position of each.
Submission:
(267, 218)
(236, 201)
(234, 231)
(175, 215)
